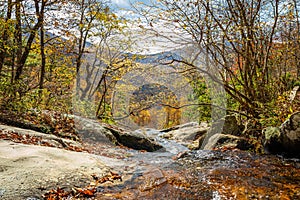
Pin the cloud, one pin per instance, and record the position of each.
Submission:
(121, 3)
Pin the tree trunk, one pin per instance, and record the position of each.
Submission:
(3, 52)
(18, 40)
(22, 57)
(42, 48)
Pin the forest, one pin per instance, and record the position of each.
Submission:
(45, 53)
(254, 48)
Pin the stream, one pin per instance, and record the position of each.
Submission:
(177, 173)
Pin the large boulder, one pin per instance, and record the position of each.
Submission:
(228, 125)
(290, 130)
(284, 139)
(135, 140)
(272, 140)
(89, 129)
(28, 171)
(225, 141)
(187, 134)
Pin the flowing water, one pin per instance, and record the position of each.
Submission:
(176, 173)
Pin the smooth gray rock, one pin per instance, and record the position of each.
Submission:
(25, 169)
(186, 134)
(229, 125)
(92, 130)
(220, 140)
(49, 138)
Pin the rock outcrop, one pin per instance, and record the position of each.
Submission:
(225, 133)
(228, 125)
(136, 140)
(27, 171)
(51, 139)
(221, 141)
(190, 134)
(290, 130)
(284, 139)
(92, 130)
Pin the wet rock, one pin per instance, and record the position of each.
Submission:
(285, 139)
(136, 140)
(187, 134)
(243, 175)
(152, 179)
(219, 141)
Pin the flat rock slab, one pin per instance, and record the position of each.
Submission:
(50, 138)
(28, 171)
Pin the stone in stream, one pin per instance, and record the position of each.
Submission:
(223, 133)
(284, 139)
(136, 140)
(186, 134)
(93, 130)
(227, 137)
(229, 125)
(220, 140)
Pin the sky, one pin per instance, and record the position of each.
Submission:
(126, 3)
(146, 43)
(121, 3)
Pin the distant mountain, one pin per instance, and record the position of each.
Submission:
(154, 58)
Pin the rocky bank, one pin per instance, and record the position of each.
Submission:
(36, 166)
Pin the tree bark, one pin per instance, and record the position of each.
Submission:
(42, 47)
(3, 52)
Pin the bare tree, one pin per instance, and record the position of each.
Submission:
(238, 37)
